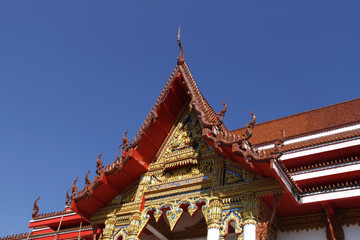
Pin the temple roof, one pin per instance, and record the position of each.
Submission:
(180, 92)
(305, 123)
(241, 145)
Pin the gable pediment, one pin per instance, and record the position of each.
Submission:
(184, 146)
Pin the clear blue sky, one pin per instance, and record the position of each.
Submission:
(74, 75)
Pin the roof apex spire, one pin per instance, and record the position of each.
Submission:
(180, 59)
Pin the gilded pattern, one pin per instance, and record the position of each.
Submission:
(127, 197)
(187, 176)
(120, 234)
(227, 218)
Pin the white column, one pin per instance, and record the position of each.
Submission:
(213, 234)
(250, 231)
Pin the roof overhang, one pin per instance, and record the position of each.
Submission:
(341, 195)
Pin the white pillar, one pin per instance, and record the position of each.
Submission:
(250, 231)
(213, 234)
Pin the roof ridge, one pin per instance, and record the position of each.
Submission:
(51, 214)
(207, 113)
(14, 236)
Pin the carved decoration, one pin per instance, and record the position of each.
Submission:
(125, 140)
(174, 211)
(99, 165)
(205, 167)
(279, 144)
(137, 222)
(129, 196)
(124, 144)
(110, 223)
(263, 227)
(231, 216)
(87, 181)
(227, 139)
(212, 213)
(184, 147)
(178, 174)
(173, 215)
(221, 114)
(261, 230)
(117, 154)
(74, 189)
(157, 214)
(120, 233)
(67, 201)
(88, 190)
(250, 209)
(253, 155)
(181, 59)
(232, 178)
(35, 208)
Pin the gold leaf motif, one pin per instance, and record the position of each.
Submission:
(173, 216)
(192, 209)
(129, 196)
(185, 142)
(231, 216)
(231, 178)
(157, 215)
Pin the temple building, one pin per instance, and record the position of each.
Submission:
(186, 176)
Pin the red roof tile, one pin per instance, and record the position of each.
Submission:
(307, 122)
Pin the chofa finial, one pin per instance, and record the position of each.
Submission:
(99, 165)
(67, 200)
(181, 59)
(35, 208)
(74, 189)
(124, 144)
(223, 111)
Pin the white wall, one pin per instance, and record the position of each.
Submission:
(317, 234)
(351, 233)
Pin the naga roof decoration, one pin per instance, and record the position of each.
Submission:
(99, 165)
(67, 200)
(14, 237)
(223, 111)
(180, 91)
(74, 189)
(36, 208)
(52, 214)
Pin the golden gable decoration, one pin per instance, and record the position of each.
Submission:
(184, 146)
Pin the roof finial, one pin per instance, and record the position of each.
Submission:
(36, 208)
(223, 111)
(67, 198)
(125, 144)
(181, 59)
(74, 189)
(99, 165)
(87, 181)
